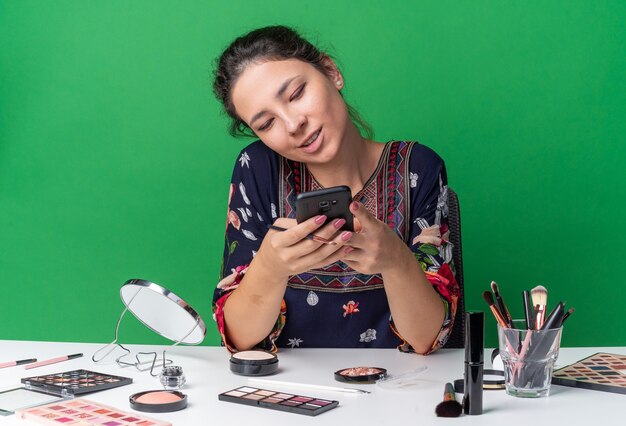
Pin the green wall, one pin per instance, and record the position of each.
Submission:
(115, 160)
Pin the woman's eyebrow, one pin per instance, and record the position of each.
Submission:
(281, 91)
(284, 86)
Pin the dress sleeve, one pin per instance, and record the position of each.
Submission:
(251, 209)
(428, 237)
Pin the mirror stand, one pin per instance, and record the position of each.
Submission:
(142, 285)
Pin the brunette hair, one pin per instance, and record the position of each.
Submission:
(272, 43)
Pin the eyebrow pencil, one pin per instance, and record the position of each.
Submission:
(20, 362)
(52, 361)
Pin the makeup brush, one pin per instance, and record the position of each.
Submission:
(555, 319)
(529, 313)
(569, 312)
(539, 296)
(543, 342)
(449, 407)
(501, 305)
(494, 309)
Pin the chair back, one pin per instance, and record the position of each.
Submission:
(457, 337)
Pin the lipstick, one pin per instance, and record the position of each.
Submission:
(474, 363)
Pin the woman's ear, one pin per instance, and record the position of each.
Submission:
(332, 72)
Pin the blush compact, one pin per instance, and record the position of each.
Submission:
(158, 401)
(360, 374)
(253, 363)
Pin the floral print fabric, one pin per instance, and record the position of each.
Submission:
(336, 306)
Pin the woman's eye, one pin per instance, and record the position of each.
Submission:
(266, 125)
(299, 91)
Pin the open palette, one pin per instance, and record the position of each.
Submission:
(601, 371)
(281, 401)
(81, 412)
(74, 382)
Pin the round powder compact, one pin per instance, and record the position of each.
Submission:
(158, 401)
(253, 363)
(360, 374)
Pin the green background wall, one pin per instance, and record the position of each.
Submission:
(115, 161)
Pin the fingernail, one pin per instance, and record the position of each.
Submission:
(320, 219)
(346, 235)
(338, 223)
(355, 205)
(348, 250)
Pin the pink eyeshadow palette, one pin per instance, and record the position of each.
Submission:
(74, 382)
(601, 371)
(280, 401)
(85, 413)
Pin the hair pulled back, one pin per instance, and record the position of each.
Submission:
(273, 43)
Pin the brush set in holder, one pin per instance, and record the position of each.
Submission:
(528, 347)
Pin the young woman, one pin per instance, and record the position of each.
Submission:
(390, 284)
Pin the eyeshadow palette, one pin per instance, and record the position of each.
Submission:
(281, 401)
(74, 382)
(601, 371)
(85, 413)
(14, 399)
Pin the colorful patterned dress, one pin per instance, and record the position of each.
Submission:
(336, 306)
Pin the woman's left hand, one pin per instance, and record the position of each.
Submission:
(375, 248)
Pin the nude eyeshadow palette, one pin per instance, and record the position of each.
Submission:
(81, 412)
(74, 382)
(307, 405)
(601, 371)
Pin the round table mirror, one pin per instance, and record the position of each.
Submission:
(163, 312)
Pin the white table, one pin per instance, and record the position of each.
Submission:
(208, 374)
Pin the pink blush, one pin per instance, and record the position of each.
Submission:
(158, 401)
(160, 397)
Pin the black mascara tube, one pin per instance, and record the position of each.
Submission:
(474, 362)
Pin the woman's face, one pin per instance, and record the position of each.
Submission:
(295, 109)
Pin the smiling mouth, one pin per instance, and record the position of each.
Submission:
(311, 139)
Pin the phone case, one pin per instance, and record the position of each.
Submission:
(333, 202)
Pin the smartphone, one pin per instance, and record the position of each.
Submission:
(333, 202)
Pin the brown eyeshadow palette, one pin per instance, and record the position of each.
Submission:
(74, 382)
(601, 371)
(307, 405)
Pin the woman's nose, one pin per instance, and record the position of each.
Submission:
(295, 123)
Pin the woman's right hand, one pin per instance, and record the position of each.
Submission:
(290, 252)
